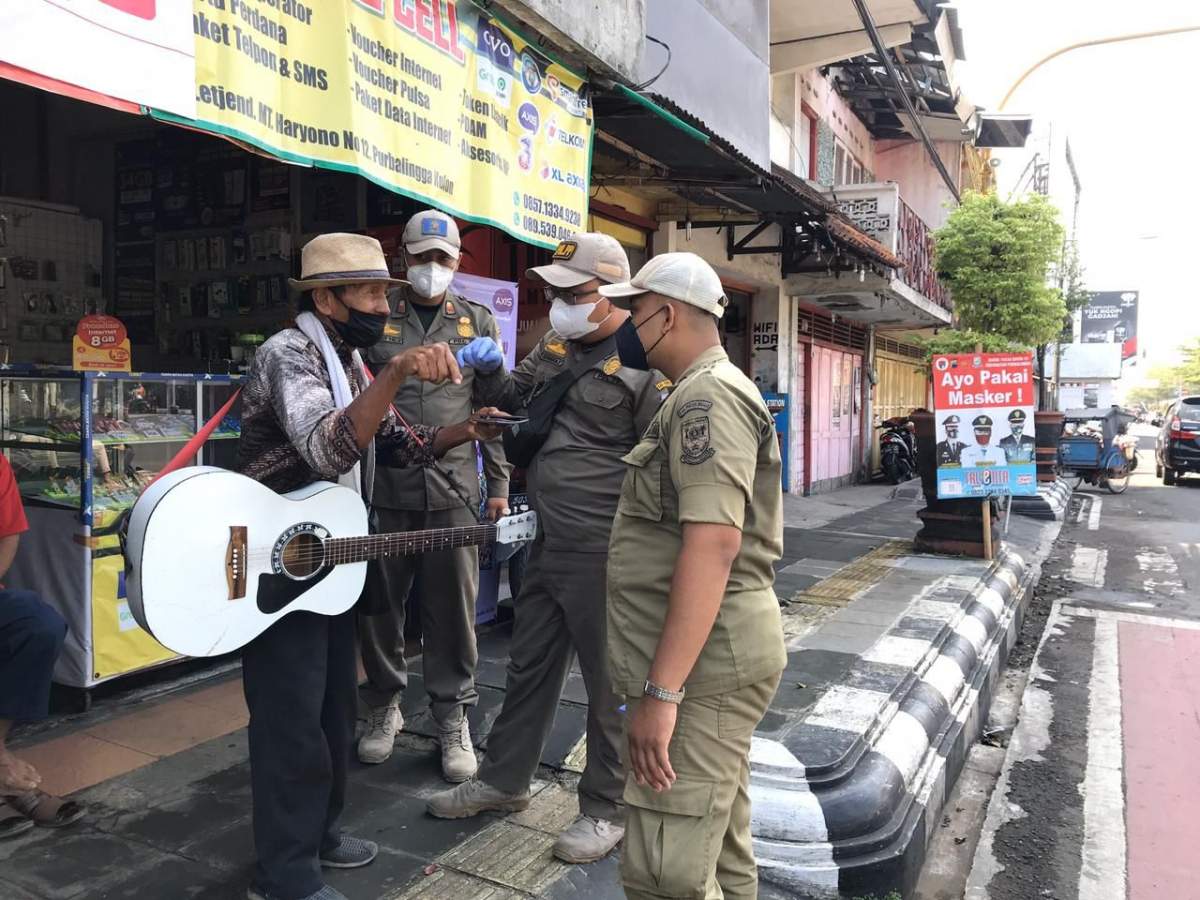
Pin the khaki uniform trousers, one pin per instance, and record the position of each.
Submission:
(559, 613)
(449, 586)
(694, 840)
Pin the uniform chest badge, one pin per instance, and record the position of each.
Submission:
(465, 329)
(558, 348)
(663, 385)
(611, 366)
(392, 331)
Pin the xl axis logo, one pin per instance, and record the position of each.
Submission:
(570, 179)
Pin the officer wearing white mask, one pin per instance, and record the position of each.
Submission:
(574, 484)
(427, 311)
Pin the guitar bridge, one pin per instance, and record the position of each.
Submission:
(235, 562)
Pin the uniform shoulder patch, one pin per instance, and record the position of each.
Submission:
(558, 348)
(696, 441)
(391, 330)
(663, 385)
(692, 406)
(611, 365)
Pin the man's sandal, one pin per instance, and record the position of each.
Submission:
(11, 826)
(46, 811)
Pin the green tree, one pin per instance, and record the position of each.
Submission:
(995, 258)
(963, 340)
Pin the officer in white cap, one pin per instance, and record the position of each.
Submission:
(982, 452)
(694, 632)
(575, 481)
(428, 312)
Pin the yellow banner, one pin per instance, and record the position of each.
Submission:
(431, 98)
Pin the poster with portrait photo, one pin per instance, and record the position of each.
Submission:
(983, 414)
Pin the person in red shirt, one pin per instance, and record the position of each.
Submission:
(31, 636)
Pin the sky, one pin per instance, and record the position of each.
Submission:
(1127, 109)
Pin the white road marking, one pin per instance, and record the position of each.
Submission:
(1094, 514)
(1088, 566)
(1154, 562)
(1136, 618)
(1103, 867)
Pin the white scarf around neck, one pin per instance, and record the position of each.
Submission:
(312, 328)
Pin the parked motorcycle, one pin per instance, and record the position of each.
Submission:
(898, 449)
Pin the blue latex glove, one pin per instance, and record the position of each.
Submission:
(481, 354)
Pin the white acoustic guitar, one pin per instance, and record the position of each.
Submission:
(215, 557)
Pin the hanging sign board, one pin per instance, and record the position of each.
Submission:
(436, 100)
(983, 406)
(100, 343)
(136, 50)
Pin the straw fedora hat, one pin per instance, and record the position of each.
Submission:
(331, 260)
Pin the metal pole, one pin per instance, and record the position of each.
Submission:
(881, 51)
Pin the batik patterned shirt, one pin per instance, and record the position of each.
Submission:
(292, 431)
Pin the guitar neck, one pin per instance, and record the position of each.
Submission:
(405, 543)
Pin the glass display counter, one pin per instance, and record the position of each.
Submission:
(83, 445)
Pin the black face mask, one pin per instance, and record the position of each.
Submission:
(362, 329)
(630, 351)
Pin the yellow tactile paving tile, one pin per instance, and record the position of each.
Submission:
(507, 854)
(444, 884)
(854, 578)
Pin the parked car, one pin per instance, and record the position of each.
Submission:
(1177, 448)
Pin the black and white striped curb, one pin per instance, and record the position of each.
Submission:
(846, 796)
(1050, 502)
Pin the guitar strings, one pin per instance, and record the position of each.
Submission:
(338, 550)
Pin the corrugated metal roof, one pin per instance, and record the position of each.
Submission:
(776, 193)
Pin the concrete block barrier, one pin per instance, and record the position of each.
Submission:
(847, 789)
(1050, 502)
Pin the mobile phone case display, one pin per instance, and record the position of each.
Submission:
(82, 446)
(49, 277)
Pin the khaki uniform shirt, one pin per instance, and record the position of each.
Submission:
(458, 322)
(575, 479)
(710, 455)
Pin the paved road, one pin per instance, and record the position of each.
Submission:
(1098, 796)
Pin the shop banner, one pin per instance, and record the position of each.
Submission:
(501, 298)
(136, 50)
(430, 98)
(1110, 317)
(983, 405)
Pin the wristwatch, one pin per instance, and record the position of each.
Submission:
(661, 693)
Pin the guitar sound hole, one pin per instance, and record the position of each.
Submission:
(303, 555)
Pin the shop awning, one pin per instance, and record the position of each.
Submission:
(667, 147)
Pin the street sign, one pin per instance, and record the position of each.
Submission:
(983, 406)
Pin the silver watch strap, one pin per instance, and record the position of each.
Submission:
(661, 693)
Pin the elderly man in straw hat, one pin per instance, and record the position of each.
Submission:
(309, 413)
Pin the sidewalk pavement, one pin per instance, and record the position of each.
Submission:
(169, 784)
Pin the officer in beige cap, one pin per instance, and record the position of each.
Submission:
(574, 480)
(694, 633)
(423, 313)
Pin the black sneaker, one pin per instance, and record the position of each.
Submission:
(351, 853)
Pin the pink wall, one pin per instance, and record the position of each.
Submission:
(819, 94)
(906, 163)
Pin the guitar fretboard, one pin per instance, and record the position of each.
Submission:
(405, 543)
